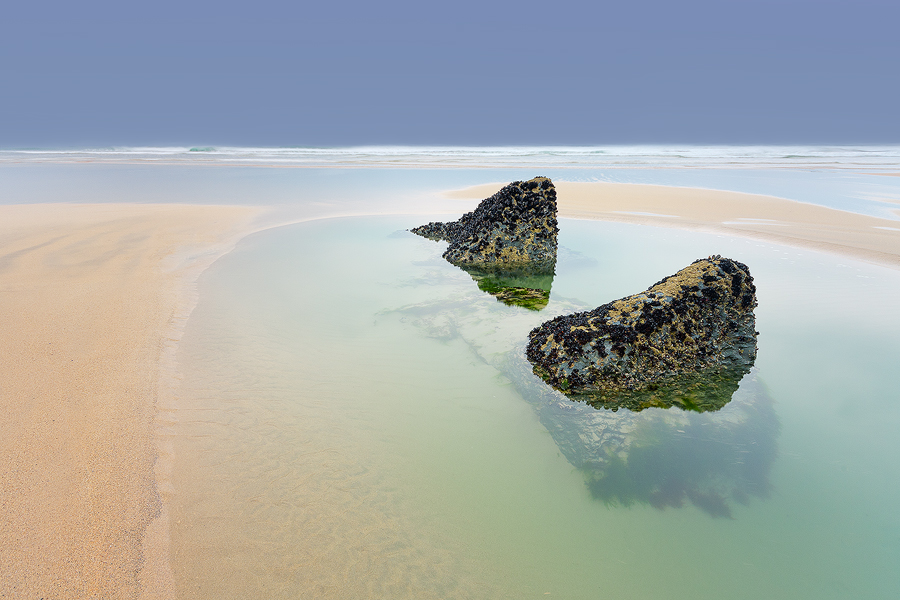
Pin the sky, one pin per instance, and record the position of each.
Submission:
(274, 73)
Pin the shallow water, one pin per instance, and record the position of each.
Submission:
(355, 420)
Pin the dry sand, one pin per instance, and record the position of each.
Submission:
(768, 218)
(88, 294)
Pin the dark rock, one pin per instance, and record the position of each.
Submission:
(515, 225)
(507, 244)
(686, 341)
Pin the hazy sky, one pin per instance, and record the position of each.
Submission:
(461, 72)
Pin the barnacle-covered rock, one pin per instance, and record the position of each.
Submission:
(686, 341)
(515, 225)
(507, 244)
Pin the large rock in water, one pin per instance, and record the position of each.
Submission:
(515, 225)
(665, 458)
(686, 341)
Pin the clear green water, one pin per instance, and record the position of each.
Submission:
(355, 422)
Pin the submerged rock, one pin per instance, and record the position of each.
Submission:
(515, 225)
(686, 341)
(666, 458)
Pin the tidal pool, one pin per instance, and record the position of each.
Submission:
(356, 419)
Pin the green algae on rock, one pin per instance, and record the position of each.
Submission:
(686, 341)
(703, 391)
(515, 284)
(507, 244)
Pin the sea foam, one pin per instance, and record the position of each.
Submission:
(869, 158)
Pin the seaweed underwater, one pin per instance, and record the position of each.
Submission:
(662, 457)
(707, 462)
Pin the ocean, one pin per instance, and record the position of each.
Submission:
(317, 181)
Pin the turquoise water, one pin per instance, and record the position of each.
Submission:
(355, 420)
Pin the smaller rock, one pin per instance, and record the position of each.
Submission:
(515, 225)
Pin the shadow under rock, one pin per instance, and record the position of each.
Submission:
(665, 457)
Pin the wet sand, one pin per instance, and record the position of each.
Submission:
(767, 218)
(89, 296)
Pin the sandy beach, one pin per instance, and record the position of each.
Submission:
(91, 298)
(88, 294)
(768, 218)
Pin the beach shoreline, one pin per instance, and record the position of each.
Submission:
(766, 218)
(93, 299)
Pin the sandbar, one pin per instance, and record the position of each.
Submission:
(89, 295)
(768, 218)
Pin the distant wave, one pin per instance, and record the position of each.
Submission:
(874, 158)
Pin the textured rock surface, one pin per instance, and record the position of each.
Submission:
(686, 341)
(515, 225)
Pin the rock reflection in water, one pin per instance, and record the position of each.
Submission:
(708, 390)
(524, 284)
(667, 457)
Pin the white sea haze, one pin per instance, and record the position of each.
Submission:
(639, 156)
(851, 178)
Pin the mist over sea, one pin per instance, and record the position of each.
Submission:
(640, 157)
(852, 178)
